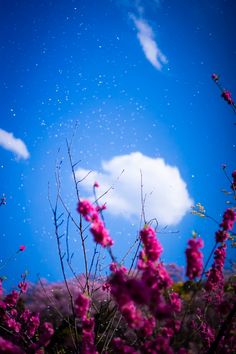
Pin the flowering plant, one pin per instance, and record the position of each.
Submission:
(144, 308)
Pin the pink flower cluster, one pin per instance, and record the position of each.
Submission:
(227, 224)
(229, 219)
(122, 348)
(200, 326)
(22, 248)
(88, 346)
(23, 324)
(194, 258)
(226, 95)
(82, 305)
(215, 277)
(152, 247)
(98, 229)
(123, 291)
(233, 185)
(143, 300)
(23, 286)
(9, 348)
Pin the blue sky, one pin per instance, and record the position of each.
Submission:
(135, 78)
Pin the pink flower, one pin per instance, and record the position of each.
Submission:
(82, 304)
(22, 248)
(86, 209)
(207, 334)
(122, 348)
(227, 97)
(88, 346)
(215, 77)
(221, 235)
(132, 315)
(175, 301)
(23, 286)
(8, 347)
(114, 267)
(33, 324)
(46, 332)
(233, 185)
(164, 279)
(100, 233)
(118, 286)
(158, 345)
(13, 313)
(149, 325)
(229, 219)
(156, 276)
(194, 258)
(13, 324)
(152, 247)
(11, 299)
(215, 277)
(227, 224)
(25, 315)
(100, 208)
(96, 185)
(98, 229)
(106, 286)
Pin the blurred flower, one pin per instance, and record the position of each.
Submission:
(9, 348)
(96, 185)
(98, 229)
(227, 97)
(152, 246)
(194, 258)
(82, 304)
(22, 248)
(215, 77)
(23, 286)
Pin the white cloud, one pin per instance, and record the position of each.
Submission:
(147, 40)
(17, 146)
(167, 197)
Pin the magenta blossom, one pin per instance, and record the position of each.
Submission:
(82, 304)
(100, 233)
(88, 346)
(215, 277)
(98, 229)
(86, 209)
(233, 185)
(227, 97)
(23, 286)
(122, 348)
(152, 247)
(229, 219)
(194, 258)
(9, 348)
(22, 248)
(46, 333)
(215, 77)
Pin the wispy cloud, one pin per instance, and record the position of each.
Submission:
(146, 38)
(17, 146)
(167, 199)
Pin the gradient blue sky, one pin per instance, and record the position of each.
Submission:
(98, 64)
